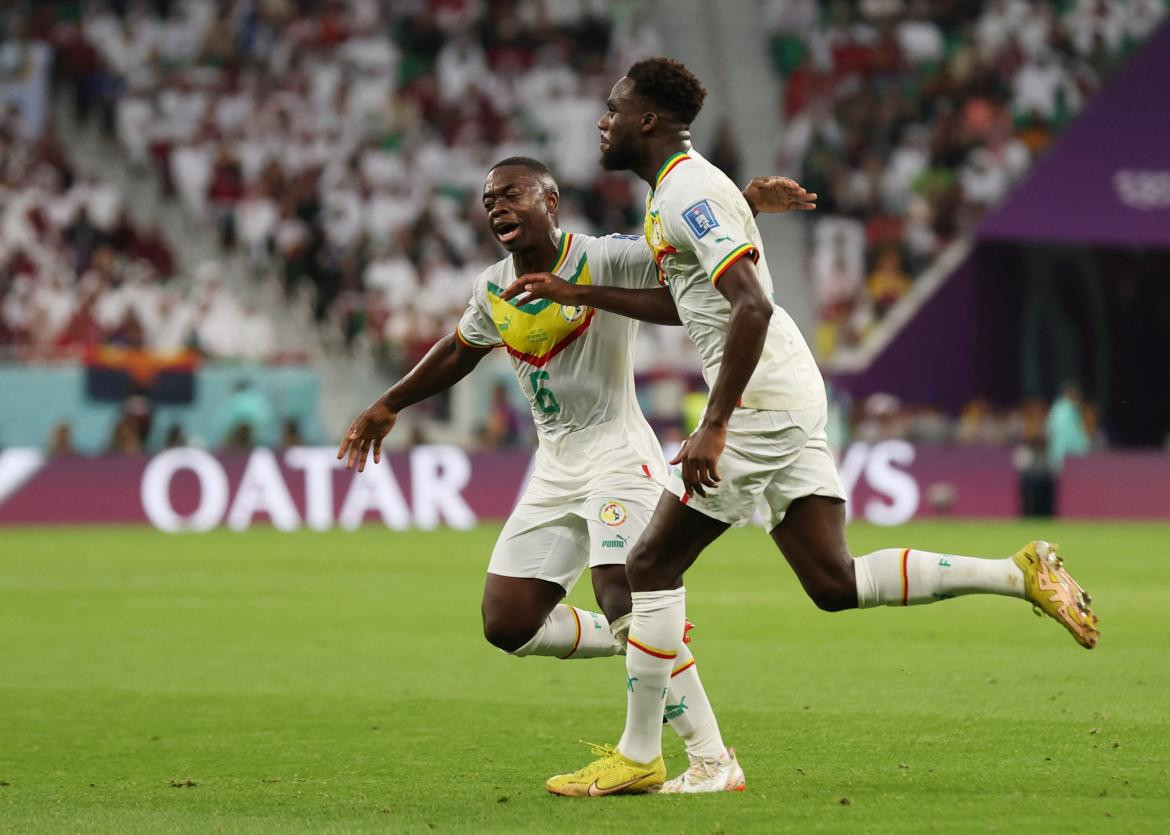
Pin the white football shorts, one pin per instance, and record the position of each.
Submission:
(554, 537)
(772, 458)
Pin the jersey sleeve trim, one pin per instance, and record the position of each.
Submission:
(731, 257)
(459, 335)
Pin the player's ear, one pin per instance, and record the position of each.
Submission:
(552, 200)
(649, 120)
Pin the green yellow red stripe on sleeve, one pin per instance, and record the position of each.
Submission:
(459, 335)
(731, 258)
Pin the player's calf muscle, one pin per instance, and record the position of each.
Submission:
(612, 590)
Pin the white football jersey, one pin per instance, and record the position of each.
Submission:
(697, 225)
(575, 364)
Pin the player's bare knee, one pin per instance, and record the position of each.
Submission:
(834, 600)
(508, 636)
(836, 595)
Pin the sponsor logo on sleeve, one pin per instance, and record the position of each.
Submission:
(700, 218)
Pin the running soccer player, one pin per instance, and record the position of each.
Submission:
(762, 437)
(599, 469)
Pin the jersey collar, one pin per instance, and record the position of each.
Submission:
(669, 166)
(563, 251)
(562, 254)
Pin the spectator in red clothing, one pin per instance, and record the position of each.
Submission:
(83, 329)
(224, 192)
(150, 245)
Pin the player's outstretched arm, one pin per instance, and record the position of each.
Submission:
(649, 305)
(448, 362)
(772, 195)
(746, 330)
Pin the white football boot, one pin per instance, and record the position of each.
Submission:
(708, 774)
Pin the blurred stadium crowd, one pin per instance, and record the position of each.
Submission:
(78, 272)
(343, 144)
(337, 147)
(911, 119)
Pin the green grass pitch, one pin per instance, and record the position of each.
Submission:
(268, 682)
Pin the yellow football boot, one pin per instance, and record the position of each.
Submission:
(611, 773)
(1051, 590)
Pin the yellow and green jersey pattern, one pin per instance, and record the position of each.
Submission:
(573, 364)
(539, 330)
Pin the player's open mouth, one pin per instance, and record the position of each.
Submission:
(506, 232)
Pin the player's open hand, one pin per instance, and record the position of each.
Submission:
(366, 433)
(778, 194)
(540, 286)
(698, 457)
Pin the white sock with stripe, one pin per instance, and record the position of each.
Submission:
(656, 632)
(569, 632)
(903, 577)
(689, 711)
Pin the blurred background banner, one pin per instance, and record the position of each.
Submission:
(191, 490)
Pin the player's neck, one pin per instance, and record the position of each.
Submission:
(540, 258)
(658, 155)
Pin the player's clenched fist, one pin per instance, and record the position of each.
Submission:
(699, 456)
(367, 430)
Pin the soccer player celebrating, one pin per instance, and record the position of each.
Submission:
(599, 469)
(762, 438)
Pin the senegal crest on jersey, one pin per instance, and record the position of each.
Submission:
(613, 513)
(655, 238)
(537, 331)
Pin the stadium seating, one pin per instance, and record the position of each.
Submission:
(912, 119)
(77, 272)
(344, 148)
(339, 147)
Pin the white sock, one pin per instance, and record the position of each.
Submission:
(569, 632)
(656, 632)
(689, 711)
(902, 577)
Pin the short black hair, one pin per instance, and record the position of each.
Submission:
(534, 165)
(668, 84)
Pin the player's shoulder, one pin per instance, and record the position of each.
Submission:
(601, 247)
(598, 242)
(695, 169)
(494, 277)
(695, 180)
(583, 241)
